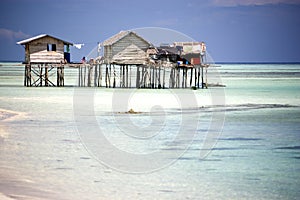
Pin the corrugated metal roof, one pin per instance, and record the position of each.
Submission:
(39, 37)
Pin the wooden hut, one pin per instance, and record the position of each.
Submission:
(43, 55)
(126, 47)
(46, 49)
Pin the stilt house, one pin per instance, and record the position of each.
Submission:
(45, 56)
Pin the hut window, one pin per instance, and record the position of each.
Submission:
(51, 47)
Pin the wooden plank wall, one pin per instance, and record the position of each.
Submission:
(122, 44)
(39, 54)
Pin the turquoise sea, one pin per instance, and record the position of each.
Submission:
(241, 141)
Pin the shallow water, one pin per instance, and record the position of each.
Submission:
(61, 147)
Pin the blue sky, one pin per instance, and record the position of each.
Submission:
(234, 30)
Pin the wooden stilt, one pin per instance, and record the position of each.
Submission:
(126, 76)
(46, 75)
(95, 75)
(137, 83)
(183, 77)
(88, 76)
(143, 82)
(110, 76)
(159, 83)
(114, 83)
(198, 78)
(123, 76)
(106, 76)
(152, 84)
(186, 77)
(206, 77)
(130, 68)
(58, 71)
(195, 76)
(100, 76)
(60, 75)
(120, 76)
(63, 77)
(79, 76)
(178, 77)
(191, 78)
(202, 80)
(41, 76)
(25, 75)
(164, 75)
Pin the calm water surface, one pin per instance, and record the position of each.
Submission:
(257, 156)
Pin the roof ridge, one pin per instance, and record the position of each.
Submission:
(41, 36)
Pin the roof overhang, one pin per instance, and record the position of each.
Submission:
(23, 42)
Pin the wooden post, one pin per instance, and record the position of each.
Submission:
(95, 75)
(79, 80)
(58, 76)
(106, 76)
(88, 76)
(178, 77)
(120, 76)
(198, 77)
(114, 83)
(130, 68)
(143, 77)
(46, 75)
(152, 84)
(123, 75)
(137, 82)
(195, 76)
(191, 77)
(110, 76)
(147, 78)
(159, 82)
(63, 75)
(41, 75)
(100, 76)
(202, 81)
(25, 75)
(29, 76)
(171, 79)
(84, 76)
(164, 73)
(206, 77)
(186, 77)
(127, 83)
(183, 77)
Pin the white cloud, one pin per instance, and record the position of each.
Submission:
(12, 35)
(232, 3)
